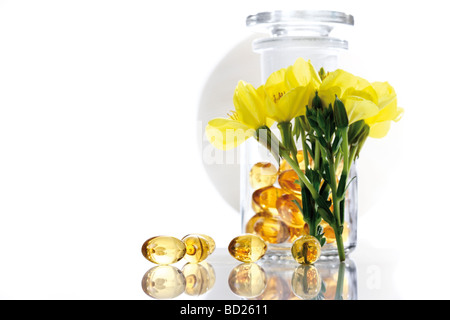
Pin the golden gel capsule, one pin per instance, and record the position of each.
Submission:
(288, 211)
(250, 226)
(285, 166)
(271, 229)
(288, 181)
(163, 250)
(263, 174)
(306, 250)
(297, 232)
(247, 248)
(211, 242)
(265, 199)
(197, 248)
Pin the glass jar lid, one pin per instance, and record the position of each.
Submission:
(310, 27)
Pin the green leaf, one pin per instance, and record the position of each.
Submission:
(327, 216)
(337, 142)
(342, 185)
(348, 184)
(298, 205)
(342, 212)
(327, 175)
(311, 113)
(322, 241)
(325, 189)
(354, 132)
(313, 123)
(322, 141)
(357, 135)
(321, 122)
(315, 179)
(296, 130)
(308, 209)
(320, 230)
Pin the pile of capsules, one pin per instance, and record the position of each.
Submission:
(277, 219)
(194, 248)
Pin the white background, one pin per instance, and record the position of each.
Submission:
(99, 138)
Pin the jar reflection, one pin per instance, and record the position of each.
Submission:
(278, 281)
(168, 282)
(325, 280)
(339, 279)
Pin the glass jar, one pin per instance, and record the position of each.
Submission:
(292, 34)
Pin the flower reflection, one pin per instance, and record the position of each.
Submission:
(168, 282)
(325, 280)
(247, 280)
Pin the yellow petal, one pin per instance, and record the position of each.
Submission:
(249, 104)
(359, 108)
(387, 104)
(399, 115)
(342, 84)
(301, 74)
(380, 129)
(227, 134)
(275, 86)
(388, 113)
(385, 92)
(291, 105)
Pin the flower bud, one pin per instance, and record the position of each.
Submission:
(316, 102)
(340, 114)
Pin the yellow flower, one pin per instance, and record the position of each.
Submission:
(357, 94)
(388, 111)
(250, 114)
(289, 90)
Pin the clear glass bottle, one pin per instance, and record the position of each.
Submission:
(314, 36)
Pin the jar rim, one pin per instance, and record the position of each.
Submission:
(298, 17)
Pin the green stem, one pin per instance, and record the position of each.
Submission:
(312, 228)
(267, 140)
(344, 148)
(305, 148)
(287, 138)
(340, 245)
(317, 156)
(333, 185)
(336, 211)
(300, 174)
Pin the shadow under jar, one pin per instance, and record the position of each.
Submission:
(268, 188)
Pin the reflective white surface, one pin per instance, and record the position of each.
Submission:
(369, 275)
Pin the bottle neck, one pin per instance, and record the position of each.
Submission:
(278, 58)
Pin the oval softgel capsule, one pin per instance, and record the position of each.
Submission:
(163, 250)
